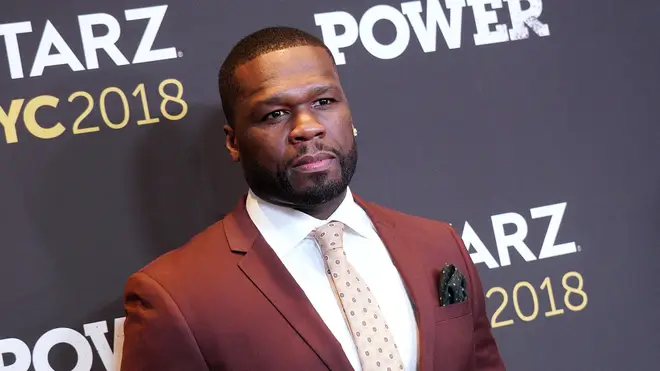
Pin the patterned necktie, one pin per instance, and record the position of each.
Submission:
(371, 334)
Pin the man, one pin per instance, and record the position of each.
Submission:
(302, 274)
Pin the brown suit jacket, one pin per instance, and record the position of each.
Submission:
(224, 301)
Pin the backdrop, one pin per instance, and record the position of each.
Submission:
(531, 126)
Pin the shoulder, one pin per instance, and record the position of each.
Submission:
(434, 239)
(188, 259)
(416, 224)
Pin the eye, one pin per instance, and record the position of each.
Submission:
(273, 115)
(324, 101)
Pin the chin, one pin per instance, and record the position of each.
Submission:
(319, 192)
(312, 183)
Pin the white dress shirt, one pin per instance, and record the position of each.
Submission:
(287, 231)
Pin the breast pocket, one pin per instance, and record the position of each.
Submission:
(454, 343)
(452, 311)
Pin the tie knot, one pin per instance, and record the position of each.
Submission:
(329, 236)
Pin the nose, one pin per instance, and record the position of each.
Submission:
(306, 127)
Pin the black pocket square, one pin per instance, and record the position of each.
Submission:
(451, 288)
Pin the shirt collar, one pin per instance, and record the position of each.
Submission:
(284, 228)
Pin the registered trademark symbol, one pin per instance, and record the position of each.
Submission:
(179, 54)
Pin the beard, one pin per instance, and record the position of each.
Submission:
(276, 185)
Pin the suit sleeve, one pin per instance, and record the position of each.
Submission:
(156, 335)
(487, 355)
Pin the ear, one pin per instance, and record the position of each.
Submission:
(231, 144)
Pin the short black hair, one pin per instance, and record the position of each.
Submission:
(258, 43)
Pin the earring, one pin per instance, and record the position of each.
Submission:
(354, 131)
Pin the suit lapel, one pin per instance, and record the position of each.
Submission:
(408, 260)
(263, 267)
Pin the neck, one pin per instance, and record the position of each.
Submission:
(319, 211)
(324, 210)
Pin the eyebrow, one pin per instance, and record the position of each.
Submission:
(313, 91)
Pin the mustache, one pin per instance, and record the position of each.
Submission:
(311, 149)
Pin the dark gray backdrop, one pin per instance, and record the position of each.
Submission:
(476, 135)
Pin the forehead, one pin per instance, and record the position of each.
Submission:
(285, 69)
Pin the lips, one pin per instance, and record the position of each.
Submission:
(310, 159)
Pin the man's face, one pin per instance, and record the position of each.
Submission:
(293, 131)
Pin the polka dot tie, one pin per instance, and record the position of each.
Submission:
(373, 339)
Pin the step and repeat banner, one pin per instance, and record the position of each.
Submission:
(530, 125)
